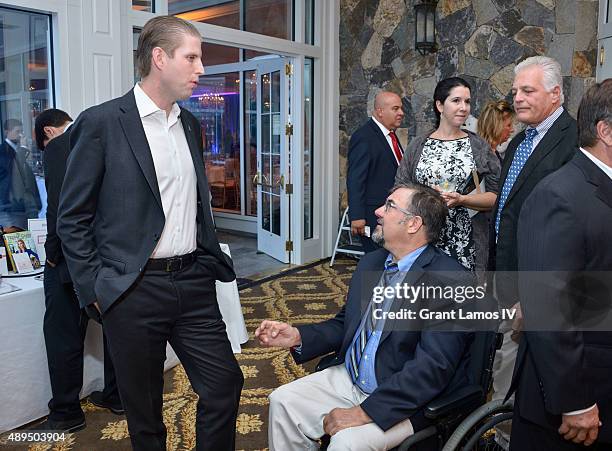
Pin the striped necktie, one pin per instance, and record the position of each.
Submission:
(520, 158)
(367, 328)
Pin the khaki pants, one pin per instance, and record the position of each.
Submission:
(297, 410)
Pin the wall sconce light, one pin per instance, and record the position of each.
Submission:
(425, 29)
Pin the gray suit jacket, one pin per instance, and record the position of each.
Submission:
(110, 214)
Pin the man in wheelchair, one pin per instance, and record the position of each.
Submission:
(383, 374)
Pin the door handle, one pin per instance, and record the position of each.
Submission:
(602, 55)
(281, 182)
(257, 179)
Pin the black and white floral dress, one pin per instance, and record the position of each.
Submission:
(449, 164)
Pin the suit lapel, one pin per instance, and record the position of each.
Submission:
(194, 149)
(134, 132)
(385, 149)
(595, 176)
(544, 147)
(198, 164)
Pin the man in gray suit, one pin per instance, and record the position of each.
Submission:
(140, 244)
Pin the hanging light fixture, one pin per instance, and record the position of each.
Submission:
(425, 29)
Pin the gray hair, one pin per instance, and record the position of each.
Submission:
(551, 70)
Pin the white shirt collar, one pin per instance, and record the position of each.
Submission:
(146, 106)
(600, 164)
(11, 143)
(384, 129)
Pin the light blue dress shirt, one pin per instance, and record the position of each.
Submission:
(367, 372)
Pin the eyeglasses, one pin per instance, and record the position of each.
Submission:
(390, 204)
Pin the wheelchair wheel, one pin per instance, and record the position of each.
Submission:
(485, 429)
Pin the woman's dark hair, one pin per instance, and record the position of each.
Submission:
(443, 89)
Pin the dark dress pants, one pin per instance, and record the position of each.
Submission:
(64, 327)
(181, 308)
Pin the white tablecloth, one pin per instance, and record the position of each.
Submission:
(25, 389)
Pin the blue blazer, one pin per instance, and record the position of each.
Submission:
(370, 173)
(110, 214)
(412, 367)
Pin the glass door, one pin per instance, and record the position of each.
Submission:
(272, 146)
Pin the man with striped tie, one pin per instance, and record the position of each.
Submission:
(373, 394)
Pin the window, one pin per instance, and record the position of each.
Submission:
(222, 13)
(250, 140)
(308, 144)
(268, 17)
(216, 104)
(143, 5)
(25, 91)
(309, 22)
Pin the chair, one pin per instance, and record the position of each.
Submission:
(226, 179)
(454, 415)
(350, 248)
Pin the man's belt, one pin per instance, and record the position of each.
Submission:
(171, 264)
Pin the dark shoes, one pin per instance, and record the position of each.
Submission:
(66, 426)
(97, 399)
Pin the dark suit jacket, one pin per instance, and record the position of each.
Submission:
(7, 156)
(556, 148)
(18, 188)
(110, 213)
(412, 367)
(55, 157)
(565, 226)
(370, 173)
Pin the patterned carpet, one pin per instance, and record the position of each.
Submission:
(300, 296)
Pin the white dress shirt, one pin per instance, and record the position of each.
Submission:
(175, 173)
(386, 132)
(545, 125)
(600, 164)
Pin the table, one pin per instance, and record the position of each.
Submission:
(25, 389)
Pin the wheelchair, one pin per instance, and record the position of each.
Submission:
(462, 420)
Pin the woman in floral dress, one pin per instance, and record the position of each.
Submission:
(446, 159)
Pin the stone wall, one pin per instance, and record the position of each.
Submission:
(479, 40)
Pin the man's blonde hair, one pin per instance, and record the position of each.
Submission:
(165, 32)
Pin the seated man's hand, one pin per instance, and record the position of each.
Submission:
(358, 227)
(277, 334)
(581, 428)
(339, 419)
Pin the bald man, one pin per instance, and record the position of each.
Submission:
(373, 158)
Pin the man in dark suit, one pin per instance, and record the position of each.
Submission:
(19, 196)
(137, 233)
(548, 142)
(373, 158)
(563, 374)
(384, 373)
(65, 323)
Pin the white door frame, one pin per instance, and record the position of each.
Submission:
(604, 41)
(269, 242)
